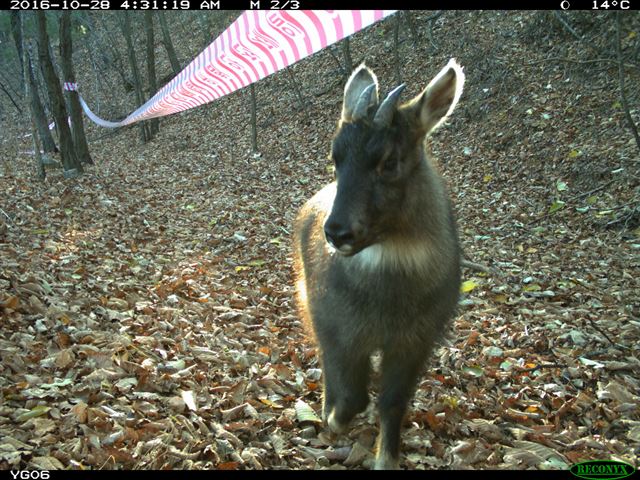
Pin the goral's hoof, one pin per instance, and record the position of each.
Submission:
(334, 425)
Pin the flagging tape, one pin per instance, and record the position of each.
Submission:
(257, 44)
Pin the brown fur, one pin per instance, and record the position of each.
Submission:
(387, 276)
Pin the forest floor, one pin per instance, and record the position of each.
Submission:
(147, 317)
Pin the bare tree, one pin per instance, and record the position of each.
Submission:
(151, 66)
(26, 64)
(168, 44)
(70, 161)
(415, 35)
(35, 104)
(254, 121)
(346, 53)
(298, 93)
(205, 27)
(396, 49)
(137, 79)
(66, 51)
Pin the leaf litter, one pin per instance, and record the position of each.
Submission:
(147, 310)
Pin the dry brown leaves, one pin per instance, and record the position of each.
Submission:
(146, 309)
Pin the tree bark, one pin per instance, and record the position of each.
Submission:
(151, 66)
(346, 52)
(35, 104)
(137, 79)
(205, 28)
(168, 44)
(298, 93)
(39, 115)
(66, 58)
(396, 49)
(16, 32)
(70, 161)
(254, 122)
(415, 35)
(26, 64)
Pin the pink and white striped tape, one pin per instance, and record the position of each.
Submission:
(257, 44)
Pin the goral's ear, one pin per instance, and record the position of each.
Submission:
(355, 103)
(430, 108)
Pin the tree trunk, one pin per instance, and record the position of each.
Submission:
(346, 51)
(396, 49)
(70, 161)
(16, 31)
(298, 93)
(151, 66)
(119, 67)
(415, 35)
(137, 80)
(254, 122)
(205, 28)
(26, 64)
(66, 54)
(168, 44)
(37, 110)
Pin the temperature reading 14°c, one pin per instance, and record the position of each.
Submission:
(607, 4)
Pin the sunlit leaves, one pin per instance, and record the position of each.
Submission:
(556, 205)
(467, 286)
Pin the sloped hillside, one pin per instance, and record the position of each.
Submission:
(147, 317)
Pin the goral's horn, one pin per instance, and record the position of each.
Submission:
(387, 108)
(362, 105)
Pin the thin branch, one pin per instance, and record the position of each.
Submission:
(588, 194)
(602, 332)
(478, 267)
(538, 367)
(432, 19)
(10, 98)
(435, 16)
(337, 60)
(298, 93)
(566, 25)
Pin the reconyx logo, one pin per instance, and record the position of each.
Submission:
(602, 469)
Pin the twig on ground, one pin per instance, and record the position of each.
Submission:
(538, 367)
(479, 267)
(572, 199)
(601, 332)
